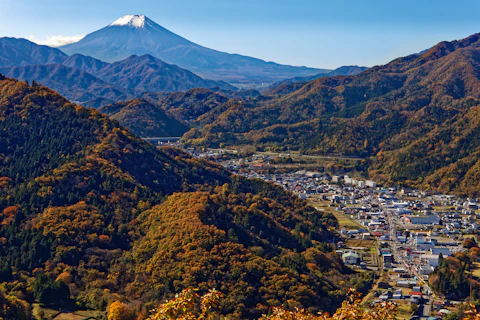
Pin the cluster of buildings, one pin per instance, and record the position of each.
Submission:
(409, 229)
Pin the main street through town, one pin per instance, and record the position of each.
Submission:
(425, 308)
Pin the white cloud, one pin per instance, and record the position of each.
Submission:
(57, 41)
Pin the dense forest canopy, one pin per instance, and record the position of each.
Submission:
(145, 119)
(89, 214)
(452, 277)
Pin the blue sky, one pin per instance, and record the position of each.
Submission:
(316, 33)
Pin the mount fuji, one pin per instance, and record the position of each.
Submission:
(138, 35)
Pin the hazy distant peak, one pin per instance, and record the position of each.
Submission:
(131, 20)
(137, 34)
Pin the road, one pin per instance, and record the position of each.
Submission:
(426, 308)
(162, 139)
(393, 224)
(277, 154)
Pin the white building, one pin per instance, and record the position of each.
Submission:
(350, 257)
(371, 184)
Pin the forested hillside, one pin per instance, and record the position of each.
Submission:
(145, 119)
(341, 71)
(192, 104)
(415, 119)
(89, 213)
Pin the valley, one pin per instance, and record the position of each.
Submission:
(146, 176)
(399, 234)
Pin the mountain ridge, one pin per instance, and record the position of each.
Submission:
(144, 119)
(147, 73)
(16, 52)
(391, 115)
(163, 44)
(75, 84)
(95, 85)
(341, 71)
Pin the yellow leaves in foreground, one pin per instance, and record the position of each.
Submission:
(351, 309)
(190, 305)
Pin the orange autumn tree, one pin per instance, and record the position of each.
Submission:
(189, 305)
(120, 311)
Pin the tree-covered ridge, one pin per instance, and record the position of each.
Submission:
(240, 244)
(415, 119)
(145, 119)
(190, 305)
(192, 104)
(57, 155)
(453, 277)
(82, 201)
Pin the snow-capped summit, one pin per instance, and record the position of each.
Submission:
(131, 20)
(139, 35)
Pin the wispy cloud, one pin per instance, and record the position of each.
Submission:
(57, 41)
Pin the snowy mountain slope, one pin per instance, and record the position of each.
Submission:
(138, 35)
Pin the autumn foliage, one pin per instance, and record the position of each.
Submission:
(189, 305)
(91, 214)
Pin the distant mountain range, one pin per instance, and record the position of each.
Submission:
(342, 71)
(21, 52)
(93, 82)
(146, 73)
(138, 35)
(76, 84)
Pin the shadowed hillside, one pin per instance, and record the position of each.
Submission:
(90, 213)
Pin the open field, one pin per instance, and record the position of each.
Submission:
(46, 313)
(476, 269)
(343, 219)
(69, 316)
(368, 244)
